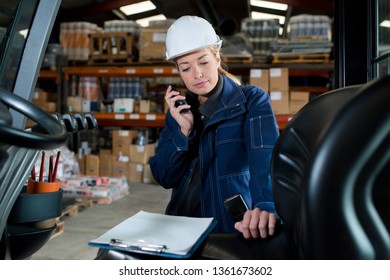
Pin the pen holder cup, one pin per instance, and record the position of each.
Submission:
(42, 187)
(31, 222)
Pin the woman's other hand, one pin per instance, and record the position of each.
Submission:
(257, 223)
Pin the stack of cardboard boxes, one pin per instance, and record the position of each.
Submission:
(275, 81)
(124, 159)
(279, 90)
(41, 99)
(139, 169)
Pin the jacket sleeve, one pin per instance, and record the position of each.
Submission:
(261, 132)
(170, 163)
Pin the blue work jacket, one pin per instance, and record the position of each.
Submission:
(234, 150)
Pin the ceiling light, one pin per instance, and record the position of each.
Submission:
(385, 23)
(137, 8)
(257, 15)
(145, 21)
(269, 5)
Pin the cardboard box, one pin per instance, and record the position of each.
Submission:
(81, 162)
(260, 78)
(278, 79)
(148, 176)
(119, 168)
(298, 99)
(75, 103)
(124, 105)
(280, 102)
(152, 43)
(106, 158)
(50, 107)
(142, 153)
(92, 165)
(147, 106)
(121, 141)
(40, 95)
(136, 172)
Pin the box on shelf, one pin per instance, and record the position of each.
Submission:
(75, 103)
(280, 102)
(74, 37)
(46, 105)
(142, 153)
(40, 95)
(278, 79)
(147, 106)
(298, 99)
(124, 105)
(88, 88)
(260, 78)
(152, 43)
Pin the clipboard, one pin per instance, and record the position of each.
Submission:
(157, 234)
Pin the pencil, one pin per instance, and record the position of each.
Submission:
(42, 167)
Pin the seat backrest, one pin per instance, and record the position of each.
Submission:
(331, 175)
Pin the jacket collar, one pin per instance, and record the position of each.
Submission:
(232, 101)
(232, 94)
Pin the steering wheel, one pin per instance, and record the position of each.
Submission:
(55, 134)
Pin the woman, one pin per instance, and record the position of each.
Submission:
(220, 143)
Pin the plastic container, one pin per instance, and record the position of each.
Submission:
(34, 187)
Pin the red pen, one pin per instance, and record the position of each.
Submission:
(49, 178)
(56, 166)
(42, 166)
(33, 173)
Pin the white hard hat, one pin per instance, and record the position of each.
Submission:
(188, 34)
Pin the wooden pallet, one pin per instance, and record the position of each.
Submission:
(59, 229)
(111, 48)
(152, 60)
(100, 200)
(238, 59)
(73, 210)
(109, 61)
(301, 58)
(70, 211)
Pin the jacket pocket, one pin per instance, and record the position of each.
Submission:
(230, 133)
(262, 132)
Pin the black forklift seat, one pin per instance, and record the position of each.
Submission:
(331, 175)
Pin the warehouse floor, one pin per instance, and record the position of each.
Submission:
(71, 243)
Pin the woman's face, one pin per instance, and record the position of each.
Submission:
(199, 71)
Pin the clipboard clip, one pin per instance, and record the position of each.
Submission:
(154, 248)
